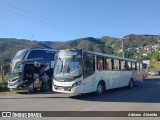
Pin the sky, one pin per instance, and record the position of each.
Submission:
(62, 20)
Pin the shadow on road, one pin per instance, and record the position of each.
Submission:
(34, 92)
(155, 80)
(148, 92)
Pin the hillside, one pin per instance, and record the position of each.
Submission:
(92, 44)
(9, 47)
(110, 45)
(142, 40)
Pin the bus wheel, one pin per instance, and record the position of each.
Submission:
(131, 83)
(100, 88)
(35, 89)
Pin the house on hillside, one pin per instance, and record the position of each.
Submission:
(145, 54)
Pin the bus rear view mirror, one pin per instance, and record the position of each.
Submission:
(37, 64)
(144, 66)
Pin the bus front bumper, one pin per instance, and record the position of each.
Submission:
(77, 89)
(16, 83)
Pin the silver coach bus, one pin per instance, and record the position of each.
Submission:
(26, 66)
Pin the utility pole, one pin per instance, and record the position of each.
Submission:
(2, 72)
(32, 36)
(122, 49)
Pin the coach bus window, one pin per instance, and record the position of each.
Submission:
(116, 64)
(36, 54)
(89, 65)
(122, 65)
(108, 64)
(45, 55)
(100, 63)
(49, 55)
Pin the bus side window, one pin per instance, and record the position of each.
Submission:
(116, 64)
(89, 65)
(112, 61)
(100, 63)
(129, 64)
(137, 66)
(123, 65)
(133, 66)
(141, 68)
(108, 64)
(119, 64)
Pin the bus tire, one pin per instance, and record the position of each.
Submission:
(100, 88)
(35, 89)
(131, 83)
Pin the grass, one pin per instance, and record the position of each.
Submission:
(10, 92)
(3, 86)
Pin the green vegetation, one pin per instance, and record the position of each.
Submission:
(3, 84)
(11, 92)
(156, 56)
(154, 66)
(109, 45)
(3, 87)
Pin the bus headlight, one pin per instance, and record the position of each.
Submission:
(76, 84)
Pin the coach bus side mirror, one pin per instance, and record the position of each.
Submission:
(37, 64)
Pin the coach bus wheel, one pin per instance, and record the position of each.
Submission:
(131, 83)
(100, 88)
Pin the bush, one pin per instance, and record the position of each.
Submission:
(3, 83)
(156, 56)
(3, 86)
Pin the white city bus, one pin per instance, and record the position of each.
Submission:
(78, 71)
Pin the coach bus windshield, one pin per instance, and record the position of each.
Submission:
(19, 56)
(68, 66)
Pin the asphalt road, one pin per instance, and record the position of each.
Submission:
(145, 97)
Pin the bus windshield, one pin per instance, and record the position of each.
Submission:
(68, 67)
(19, 56)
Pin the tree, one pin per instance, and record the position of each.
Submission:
(156, 56)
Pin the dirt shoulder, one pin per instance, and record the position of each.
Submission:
(153, 76)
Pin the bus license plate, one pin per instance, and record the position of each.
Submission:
(61, 88)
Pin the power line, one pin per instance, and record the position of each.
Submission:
(45, 21)
(9, 30)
